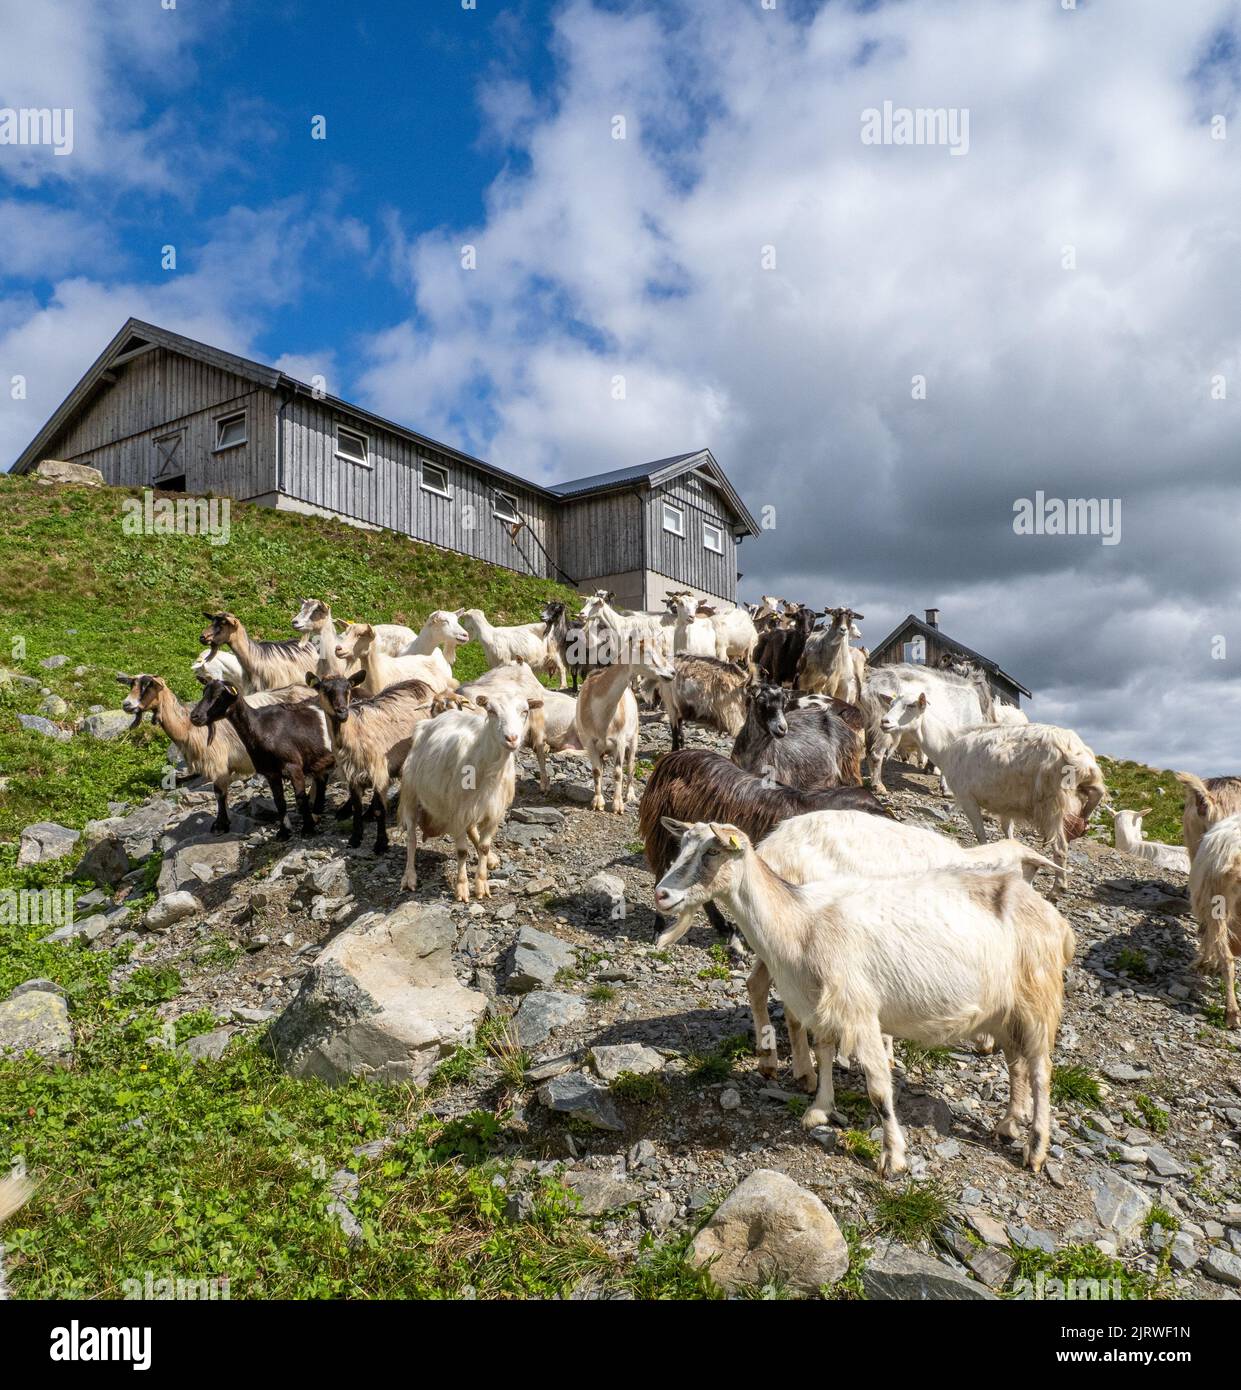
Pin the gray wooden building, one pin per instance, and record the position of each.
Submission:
(924, 643)
(163, 411)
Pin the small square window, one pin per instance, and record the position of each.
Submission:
(434, 479)
(914, 653)
(713, 538)
(674, 519)
(352, 446)
(230, 430)
(504, 506)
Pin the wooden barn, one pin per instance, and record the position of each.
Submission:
(926, 644)
(163, 411)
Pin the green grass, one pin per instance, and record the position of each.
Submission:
(601, 994)
(644, 1089)
(859, 1143)
(1133, 962)
(1134, 785)
(914, 1057)
(1154, 1117)
(911, 1213)
(1080, 1262)
(73, 584)
(1075, 1084)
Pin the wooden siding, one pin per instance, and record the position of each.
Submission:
(601, 535)
(388, 492)
(161, 392)
(686, 557)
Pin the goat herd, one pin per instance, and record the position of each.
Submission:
(868, 927)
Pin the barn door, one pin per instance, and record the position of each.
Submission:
(170, 462)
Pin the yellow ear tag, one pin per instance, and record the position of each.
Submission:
(736, 843)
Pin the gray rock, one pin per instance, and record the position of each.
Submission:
(770, 1228)
(138, 832)
(538, 815)
(108, 726)
(613, 1060)
(536, 959)
(38, 725)
(171, 908)
(44, 841)
(542, 1011)
(600, 1192)
(992, 1266)
(1120, 1206)
(1027, 1238)
(1184, 1251)
(895, 1272)
(925, 1111)
(1222, 1266)
(197, 862)
(730, 1098)
(53, 707)
(1124, 1071)
(987, 1227)
(381, 1001)
(208, 1047)
(105, 863)
(1163, 1162)
(54, 663)
(526, 836)
(49, 471)
(605, 885)
(247, 1015)
(91, 928)
(34, 1018)
(576, 1094)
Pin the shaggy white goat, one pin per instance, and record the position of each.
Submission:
(382, 670)
(1215, 893)
(527, 642)
(607, 720)
(1129, 841)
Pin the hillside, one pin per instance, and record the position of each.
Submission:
(74, 584)
(173, 1144)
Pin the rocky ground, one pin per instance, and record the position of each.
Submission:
(631, 1068)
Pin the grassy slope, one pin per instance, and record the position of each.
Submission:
(148, 1163)
(73, 583)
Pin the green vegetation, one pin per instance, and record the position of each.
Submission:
(1133, 962)
(1154, 1117)
(1080, 1262)
(917, 1058)
(1075, 1084)
(858, 1143)
(601, 994)
(1134, 785)
(644, 1089)
(74, 584)
(911, 1213)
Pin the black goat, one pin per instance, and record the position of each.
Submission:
(282, 740)
(570, 638)
(808, 747)
(779, 649)
(695, 785)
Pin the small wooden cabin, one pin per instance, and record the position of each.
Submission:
(924, 643)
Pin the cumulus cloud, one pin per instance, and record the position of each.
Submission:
(766, 283)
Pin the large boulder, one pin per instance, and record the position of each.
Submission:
(770, 1228)
(1120, 1207)
(196, 863)
(57, 471)
(104, 863)
(381, 1001)
(37, 724)
(537, 958)
(45, 841)
(138, 832)
(109, 724)
(170, 909)
(35, 1018)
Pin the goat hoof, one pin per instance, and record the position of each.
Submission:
(381, 848)
(769, 1069)
(1033, 1161)
(1007, 1129)
(409, 885)
(890, 1166)
(809, 1082)
(813, 1118)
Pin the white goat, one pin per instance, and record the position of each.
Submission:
(628, 631)
(1129, 841)
(528, 643)
(693, 633)
(459, 779)
(314, 620)
(607, 720)
(1036, 775)
(382, 670)
(936, 959)
(735, 634)
(1009, 714)
(223, 666)
(441, 630)
(829, 665)
(390, 638)
(958, 702)
(552, 724)
(1215, 893)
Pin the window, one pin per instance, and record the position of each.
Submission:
(674, 519)
(434, 479)
(230, 430)
(713, 538)
(914, 653)
(504, 506)
(352, 446)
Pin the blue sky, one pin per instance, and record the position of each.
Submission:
(758, 277)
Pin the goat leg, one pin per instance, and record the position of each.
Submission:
(355, 805)
(276, 784)
(380, 808)
(221, 823)
(298, 778)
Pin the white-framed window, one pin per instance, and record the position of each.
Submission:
(230, 430)
(914, 653)
(504, 506)
(713, 537)
(433, 477)
(353, 445)
(674, 519)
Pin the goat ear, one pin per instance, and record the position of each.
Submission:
(357, 678)
(480, 701)
(922, 699)
(202, 677)
(675, 828)
(884, 700)
(730, 836)
(1145, 811)
(124, 680)
(534, 704)
(861, 617)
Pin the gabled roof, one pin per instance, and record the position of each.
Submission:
(137, 337)
(940, 636)
(655, 474)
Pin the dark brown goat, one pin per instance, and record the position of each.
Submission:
(696, 785)
(808, 748)
(779, 649)
(282, 740)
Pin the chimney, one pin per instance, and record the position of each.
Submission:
(932, 617)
